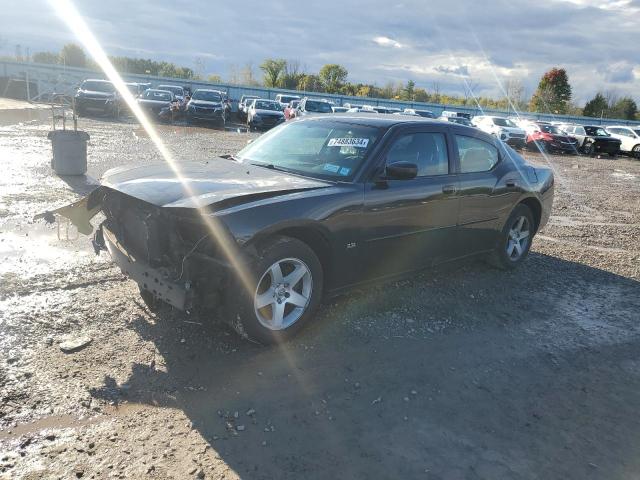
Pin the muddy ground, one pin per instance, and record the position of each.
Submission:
(461, 373)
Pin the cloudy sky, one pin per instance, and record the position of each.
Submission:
(448, 43)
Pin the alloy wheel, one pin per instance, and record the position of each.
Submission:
(283, 294)
(636, 151)
(518, 239)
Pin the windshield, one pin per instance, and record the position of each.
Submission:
(550, 129)
(321, 148)
(503, 122)
(267, 105)
(315, 106)
(596, 131)
(173, 89)
(637, 132)
(288, 98)
(106, 87)
(206, 96)
(157, 95)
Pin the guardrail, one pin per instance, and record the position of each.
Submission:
(60, 79)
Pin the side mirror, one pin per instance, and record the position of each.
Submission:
(401, 171)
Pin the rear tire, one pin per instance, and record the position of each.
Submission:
(635, 153)
(515, 239)
(284, 291)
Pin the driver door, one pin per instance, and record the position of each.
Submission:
(410, 224)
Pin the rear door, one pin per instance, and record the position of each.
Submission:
(410, 224)
(488, 188)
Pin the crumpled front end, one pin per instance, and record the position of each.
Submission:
(170, 252)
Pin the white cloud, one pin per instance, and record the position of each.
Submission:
(387, 42)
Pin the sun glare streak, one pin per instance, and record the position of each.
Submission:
(67, 11)
(70, 15)
(556, 173)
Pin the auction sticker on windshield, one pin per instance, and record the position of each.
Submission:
(348, 142)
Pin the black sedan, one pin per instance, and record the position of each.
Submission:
(594, 139)
(207, 105)
(312, 208)
(97, 97)
(153, 102)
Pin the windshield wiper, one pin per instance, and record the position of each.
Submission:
(230, 157)
(270, 166)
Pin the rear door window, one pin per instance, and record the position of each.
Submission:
(475, 155)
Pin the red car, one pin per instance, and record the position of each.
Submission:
(548, 138)
(290, 109)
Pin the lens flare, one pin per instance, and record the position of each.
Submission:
(67, 11)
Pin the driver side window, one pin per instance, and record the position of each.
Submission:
(428, 151)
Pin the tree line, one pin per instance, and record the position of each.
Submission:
(553, 94)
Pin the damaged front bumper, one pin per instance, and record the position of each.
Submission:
(150, 279)
(169, 253)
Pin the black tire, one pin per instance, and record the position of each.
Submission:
(500, 257)
(612, 154)
(543, 147)
(635, 152)
(589, 149)
(244, 310)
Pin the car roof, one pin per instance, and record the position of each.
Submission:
(375, 119)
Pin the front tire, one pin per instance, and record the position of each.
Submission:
(284, 291)
(589, 149)
(635, 153)
(515, 239)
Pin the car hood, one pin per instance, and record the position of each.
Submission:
(149, 102)
(204, 103)
(219, 181)
(511, 129)
(92, 94)
(268, 113)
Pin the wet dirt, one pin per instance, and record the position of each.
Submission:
(461, 372)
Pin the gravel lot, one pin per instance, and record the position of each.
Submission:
(461, 373)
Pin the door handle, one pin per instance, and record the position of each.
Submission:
(449, 189)
(511, 183)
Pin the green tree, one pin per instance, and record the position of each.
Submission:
(291, 75)
(310, 83)
(409, 90)
(72, 55)
(553, 93)
(333, 77)
(625, 108)
(46, 57)
(596, 107)
(273, 69)
(214, 79)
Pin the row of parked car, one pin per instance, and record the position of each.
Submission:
(549, 137)
(170, 102)
(164, 102)
(564, 137)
